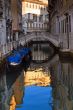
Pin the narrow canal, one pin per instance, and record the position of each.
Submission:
(43, 86)
(37, 91)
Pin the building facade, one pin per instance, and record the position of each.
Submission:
(35, 15)
(10, 24)
(61, 21)
(16, 9)
(5, 24)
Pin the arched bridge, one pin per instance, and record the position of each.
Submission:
(38, 36)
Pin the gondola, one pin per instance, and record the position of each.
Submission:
(19, 57)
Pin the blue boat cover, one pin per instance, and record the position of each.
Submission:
(18, 55)
(15, 58)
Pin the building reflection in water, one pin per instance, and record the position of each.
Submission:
(11, 89)
(18, 92)
(37, 77)
(12, 84)
(12, 103)
(62, 85)
(38, 92)
(32, 77)
(57, 73)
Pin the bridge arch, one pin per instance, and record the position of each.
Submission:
(43, 36)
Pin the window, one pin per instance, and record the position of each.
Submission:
(36, 6)
(44, 8)
(59, 27)
(30, 25)
(26, 4)
(46, 17)
(39, 6)
(14, 38)
(30, 5)
(27, 25)
(34, 17)
(28, 15)
(39, 25)
(69, 23)
(65, 26)
(33, 5)
(33, 25)
(42, 26)
(40, 18)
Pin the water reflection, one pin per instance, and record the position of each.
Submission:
(12, 103)
(62, 72)
(37, 77)
(37, 98)
(11, 85)
(38, 92)
(45, 86)
(41, 52)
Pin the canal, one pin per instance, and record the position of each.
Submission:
(46, 85)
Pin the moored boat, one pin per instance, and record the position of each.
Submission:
(19, 57)
(14, 59)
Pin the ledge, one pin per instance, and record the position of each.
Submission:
(66, 54)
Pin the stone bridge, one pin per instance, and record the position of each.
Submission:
(37, 36)
(53, 40)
